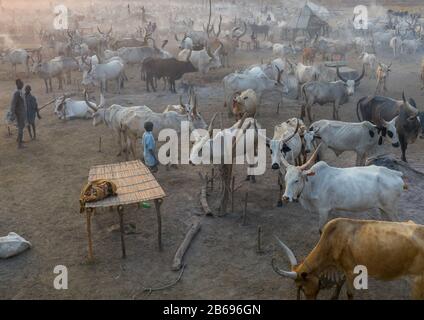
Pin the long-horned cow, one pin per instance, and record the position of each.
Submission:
(389, 250)
(378, 109)
(317, 188)
(335, 92)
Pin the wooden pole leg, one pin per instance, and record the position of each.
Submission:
(89, 213)
(121, 224)
(158, 203)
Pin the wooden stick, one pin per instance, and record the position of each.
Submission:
(204, 201)
(8, 131)
(178, 258)
(232, 193)
(259, 248)
(121, 224)
(278, 108)
(100, 144)
(49, 103)
(90, 241)
(158, 203)
(213, 175)
(245, 209)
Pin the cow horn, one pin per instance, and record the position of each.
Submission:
(175, 36)
(181, 101)
(288, 252)
(189, 55)
(211, 124)
(357, 80)
(87, 102)
(280, 72)
(194, 110)
(294, 133)
(410, 108)
(100, 31)
(311, 160)
(340, 76)
(244, 31)
(283, 273)
(164, 43)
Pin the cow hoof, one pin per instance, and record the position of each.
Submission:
(279, 204)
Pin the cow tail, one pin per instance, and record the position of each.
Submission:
(357, 108)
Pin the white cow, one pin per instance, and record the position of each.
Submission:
(203, 60)
(237, 82)
(99, 74)
(323, 189)
(396, 45)
(67, 109)
(363, 138)
(15, 57)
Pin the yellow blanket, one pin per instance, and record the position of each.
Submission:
(96, 190)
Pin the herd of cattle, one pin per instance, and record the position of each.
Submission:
(388, 249)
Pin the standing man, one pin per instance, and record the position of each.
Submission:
(32, 111)
(18, 111)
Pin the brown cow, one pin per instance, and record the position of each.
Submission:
(389, 250)
(308, 55)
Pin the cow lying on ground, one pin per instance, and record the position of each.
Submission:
(389, 250)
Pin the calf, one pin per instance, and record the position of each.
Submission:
(382, 73)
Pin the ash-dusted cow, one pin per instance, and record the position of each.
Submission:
(336, 92)
(323, 189)
(363, 138)
(389, 250)
(245, 102)
(68, 109)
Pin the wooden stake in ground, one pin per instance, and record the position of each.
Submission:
(100, 144)
(178, 258)
(259, 248)
(245, 208)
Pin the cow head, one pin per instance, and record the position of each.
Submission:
(387, 130)
(309, 137)
(245, 102)
(60, 107)
(194, 116)
(296, 177)
(279, 147)
(351, 84)
(185, 43)
(306, 282)
(383, 71)
(214, 57)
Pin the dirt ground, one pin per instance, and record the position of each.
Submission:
(40, 185)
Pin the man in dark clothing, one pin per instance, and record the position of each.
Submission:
(32, 111)
(18, 111)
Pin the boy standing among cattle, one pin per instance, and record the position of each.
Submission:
(149, 145)
(32, 111)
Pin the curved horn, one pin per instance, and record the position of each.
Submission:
(219, 26)
(194, 110)
(244, 31)
(181, 101)
(357, 80)
(110, 30)
(209, 19)
(294, 133)
(311, 160)
(288, 252)
(176, 38)
(100, 31)
(189, 55)
(280, 72)
(283, 273)
(211, 124)
(87, 102)
(164, 43)
(340, 76)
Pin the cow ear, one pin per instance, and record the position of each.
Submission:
(310, 173)
(372, 133)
